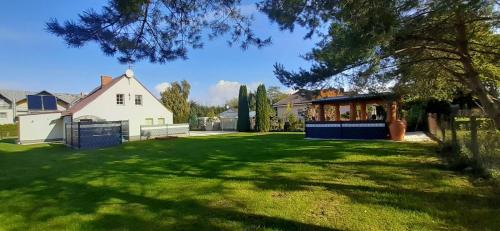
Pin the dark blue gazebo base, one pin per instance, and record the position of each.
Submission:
(370, 129)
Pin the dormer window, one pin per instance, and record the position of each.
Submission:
(138, 99)
(120, 99)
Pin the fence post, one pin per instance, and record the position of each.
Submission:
(474, 141)
(121, 132)
(442, 126)
(454, 141)
(72, 135)
(79, 136)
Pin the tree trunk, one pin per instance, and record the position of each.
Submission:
(472, 78)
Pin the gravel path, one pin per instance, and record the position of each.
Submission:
(417, 137)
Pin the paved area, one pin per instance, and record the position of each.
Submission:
(209, 133)
(417, 137)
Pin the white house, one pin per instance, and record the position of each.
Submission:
(122, 98)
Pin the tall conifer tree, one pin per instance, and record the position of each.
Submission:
(243, 111)
(262, 119)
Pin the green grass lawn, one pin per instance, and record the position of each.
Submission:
(241, 181)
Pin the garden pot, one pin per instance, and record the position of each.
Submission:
(397, 130)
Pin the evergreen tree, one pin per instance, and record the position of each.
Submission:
(157, 30)
(432, 48)
(243, 124)
(262, 119)
(175, 98)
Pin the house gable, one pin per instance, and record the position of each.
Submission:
(102, 103)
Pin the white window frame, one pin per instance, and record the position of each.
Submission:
(118, 96)
(138, 97)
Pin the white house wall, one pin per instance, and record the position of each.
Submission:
(9, 116)
(105, 107)
(6, 112)
(297, 110)
(44, 127)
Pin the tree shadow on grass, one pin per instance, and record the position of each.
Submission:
(141, 212)
(82, 181)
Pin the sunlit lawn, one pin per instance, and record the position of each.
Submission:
(243, 181)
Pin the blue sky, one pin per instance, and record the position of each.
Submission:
(32, 59)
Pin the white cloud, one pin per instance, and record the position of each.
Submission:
(161, 87)
(223, 91)
(289, 91)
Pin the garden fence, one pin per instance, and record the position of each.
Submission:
(469, 136)
(85, 135)
(164, 130)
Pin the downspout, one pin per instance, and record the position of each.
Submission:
(14, 110)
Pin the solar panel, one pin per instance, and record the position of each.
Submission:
(49, 102)
(34, 102)
(42, 102)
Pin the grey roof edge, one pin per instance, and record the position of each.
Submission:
(17, 95)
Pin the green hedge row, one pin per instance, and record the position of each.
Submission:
(8, 130)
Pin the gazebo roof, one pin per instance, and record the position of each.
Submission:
(351, 98)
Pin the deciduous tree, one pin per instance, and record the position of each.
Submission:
(175, 98)
(274, 94)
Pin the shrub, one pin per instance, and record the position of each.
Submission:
(8, 130)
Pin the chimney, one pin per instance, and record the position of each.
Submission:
(105, 80)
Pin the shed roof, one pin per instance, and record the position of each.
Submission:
(358, 97)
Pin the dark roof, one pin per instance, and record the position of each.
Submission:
(15, 95)
(358, 97)
(92, 96)
(299, 97)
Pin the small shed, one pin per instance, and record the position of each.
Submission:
(229, 119)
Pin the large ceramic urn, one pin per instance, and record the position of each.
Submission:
(397, 129)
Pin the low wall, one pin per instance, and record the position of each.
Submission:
(43, 127)
(375, 129)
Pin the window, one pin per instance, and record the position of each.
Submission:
(3, 115)
(161, 121)
(138, 99)
(120, 99)
(149, 121)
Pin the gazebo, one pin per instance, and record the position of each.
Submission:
(362, 116)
